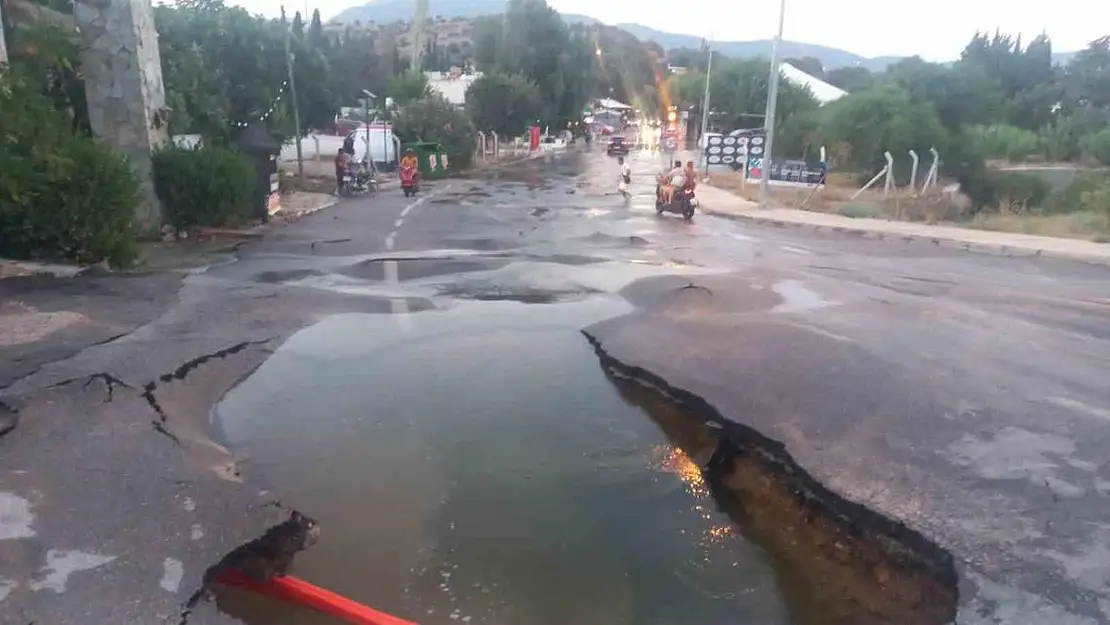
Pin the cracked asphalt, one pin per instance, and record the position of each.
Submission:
(963, 395)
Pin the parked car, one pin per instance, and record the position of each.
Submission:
(617, 145)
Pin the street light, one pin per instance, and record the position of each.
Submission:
(769, 117)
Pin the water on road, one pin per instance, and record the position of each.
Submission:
(476, 465)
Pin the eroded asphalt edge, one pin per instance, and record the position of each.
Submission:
(182, 498)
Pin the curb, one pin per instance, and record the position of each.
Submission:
(994, 249)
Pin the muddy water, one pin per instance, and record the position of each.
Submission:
(477, 466)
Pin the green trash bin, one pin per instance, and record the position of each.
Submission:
(432, 159)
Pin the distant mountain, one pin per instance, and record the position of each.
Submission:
(388, 11)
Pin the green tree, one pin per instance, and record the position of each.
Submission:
(810, 65)
(851, 79)
(531, 40)
(738, 91)
(298, 26)
(1087, 77)
(409, 87)
(693, 59)
(628, 69)
(886, 118)
(316, 37)
(435, 119)
(503, 103)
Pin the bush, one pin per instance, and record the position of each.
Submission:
(436, 119)
(1070, 198)
(62, 195)
(1019, 188)
(1008, 142)
(1097, 146)
(208, 186)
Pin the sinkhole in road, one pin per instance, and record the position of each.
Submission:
(477, 465)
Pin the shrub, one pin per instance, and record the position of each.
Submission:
(1096, 200)
(1008, 142)
(62, 195)
(1071, 198)
(436, 119)
(1020, 188)
(1096, 146)
(207, 186)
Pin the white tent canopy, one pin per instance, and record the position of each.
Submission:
(821, 90)
(610, 103)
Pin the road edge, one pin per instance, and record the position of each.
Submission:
(1009, 251)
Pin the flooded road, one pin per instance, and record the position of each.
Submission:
(480, 467)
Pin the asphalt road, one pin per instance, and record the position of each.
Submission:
(964, 395)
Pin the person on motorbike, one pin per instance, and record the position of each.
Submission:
(674, 179)
(691, 176)
(409, 160)
(342, 162)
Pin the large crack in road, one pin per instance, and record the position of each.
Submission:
(856, 565)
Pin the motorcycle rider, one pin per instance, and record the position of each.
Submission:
(342, 162)
(674, 179)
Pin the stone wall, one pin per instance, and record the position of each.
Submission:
(123, 84)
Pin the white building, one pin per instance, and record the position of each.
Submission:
(452, 85)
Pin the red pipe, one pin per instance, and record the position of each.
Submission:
(293, 590)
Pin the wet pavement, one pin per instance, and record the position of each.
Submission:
(423, 389)
(479, 467)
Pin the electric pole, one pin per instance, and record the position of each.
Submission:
(769, 118)
(3, 43)
(705, 109)
(293, 93)
(419, 21)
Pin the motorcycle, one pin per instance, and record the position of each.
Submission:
(357, 180)
(683, 203)
(410, 181)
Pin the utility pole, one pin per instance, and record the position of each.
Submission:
(419, 22)
(705, 108)
(293, 93)
(3, 43)
(769, 118)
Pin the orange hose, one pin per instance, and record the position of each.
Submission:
(294, 590)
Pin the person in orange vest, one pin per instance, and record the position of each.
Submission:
(409, 160)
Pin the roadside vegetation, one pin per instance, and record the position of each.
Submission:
(224, 70)
(1026, 139)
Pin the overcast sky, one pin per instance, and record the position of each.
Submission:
(936, 29)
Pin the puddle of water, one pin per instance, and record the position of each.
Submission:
(798, 298)
(483, 469)
(412, 269)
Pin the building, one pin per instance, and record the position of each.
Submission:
(452, 84)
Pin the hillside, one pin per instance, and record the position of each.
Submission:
(387, 11)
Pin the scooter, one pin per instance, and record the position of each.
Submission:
(357, 180)
(683, 202)
(410, 181)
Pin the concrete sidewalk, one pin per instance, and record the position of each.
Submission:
(715, 201)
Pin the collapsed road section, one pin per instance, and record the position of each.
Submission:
(845, 563)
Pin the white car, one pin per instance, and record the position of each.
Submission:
(552, 143)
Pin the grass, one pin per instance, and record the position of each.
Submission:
(1079, 225)
(836, 198)
(860, 211)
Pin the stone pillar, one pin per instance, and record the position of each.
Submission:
(123, 85)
